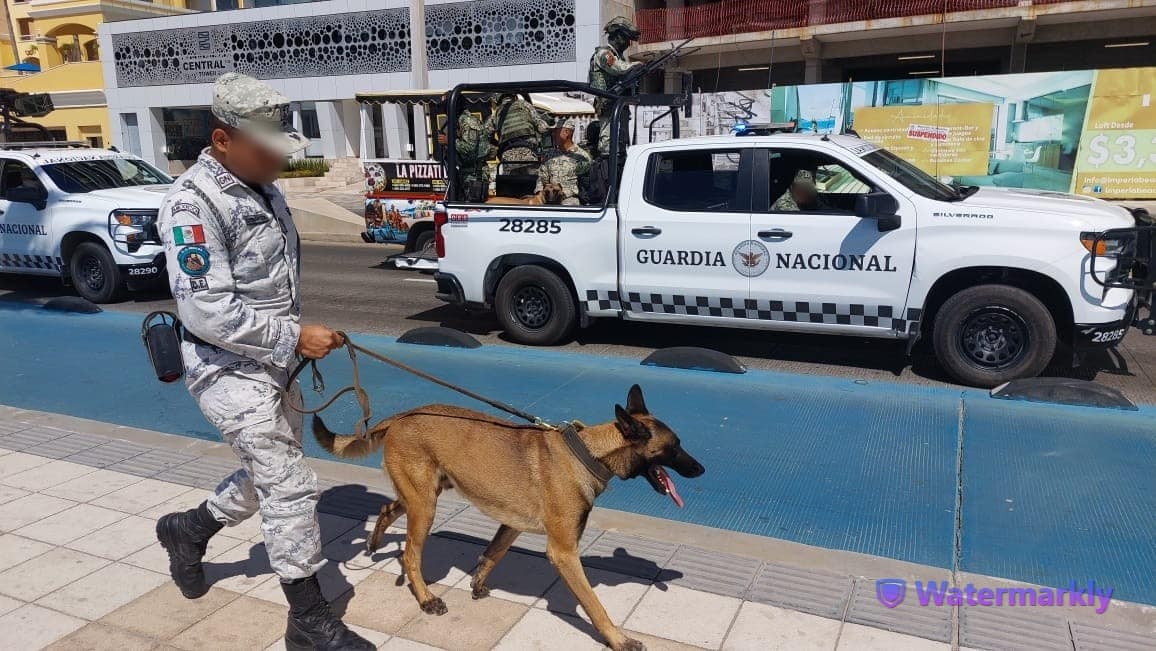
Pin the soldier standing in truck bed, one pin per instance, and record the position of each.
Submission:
(519, 130)
(608, 65)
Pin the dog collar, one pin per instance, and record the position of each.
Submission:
(578, 449)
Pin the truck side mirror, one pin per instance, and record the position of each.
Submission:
(38, 197)
(881, 207)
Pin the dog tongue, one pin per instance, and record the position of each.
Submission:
(670, 489)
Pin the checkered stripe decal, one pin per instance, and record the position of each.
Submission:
(31, 261)
(877, 316)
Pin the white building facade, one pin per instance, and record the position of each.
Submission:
(159, 75)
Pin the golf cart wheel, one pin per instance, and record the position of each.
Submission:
(535, 306)
(424, 243)
(991, 334)
(94, 273)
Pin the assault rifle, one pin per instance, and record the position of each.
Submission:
(630, 79)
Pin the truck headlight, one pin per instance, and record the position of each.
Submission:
(134, 227)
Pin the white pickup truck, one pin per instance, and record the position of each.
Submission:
(996, 278)
(86, 216)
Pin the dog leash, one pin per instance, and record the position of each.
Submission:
(363, 398)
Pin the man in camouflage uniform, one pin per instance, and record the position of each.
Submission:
(519, 130)
(565, 164)
(608, 65)
(803, 195)
(474, 147)
(234, 268)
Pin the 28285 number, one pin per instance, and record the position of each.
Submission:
(539, 226)
(1108, 337)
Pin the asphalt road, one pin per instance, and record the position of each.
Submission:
(352, 287)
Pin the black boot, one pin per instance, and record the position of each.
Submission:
(185, 537)
(312, 625)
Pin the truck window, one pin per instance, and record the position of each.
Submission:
(16, 175)
(911, 177)
(102, 174)
(808, 181)
(696, 180)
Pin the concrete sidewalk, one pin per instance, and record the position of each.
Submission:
(80, 569)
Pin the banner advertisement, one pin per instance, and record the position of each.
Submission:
(399, 193)
(1092, 132)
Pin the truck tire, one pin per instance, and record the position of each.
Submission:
(424, 241)
(535, 306)
(94, 273)
(991, 334)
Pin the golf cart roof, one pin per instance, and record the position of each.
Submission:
(552, 103)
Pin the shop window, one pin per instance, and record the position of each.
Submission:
(25, 27)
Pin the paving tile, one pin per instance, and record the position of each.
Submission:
(239, 569)
(816, 592)
(31, 437)
(244, 623)
(710, 571)
(542, 630)
(372, 636)
(908, 617)
(469, 625)
(471, 525)
(381, 604)
(15, 550)
(1098, 638)
(23, 511)
(660, 643)
(71, 524)
(618, 593)
(103, 591)
(140, 496)
(684, 615)
(154, 557)
(1012, 628)
(109, 454)
(249, 529)
(8, 604)
(335, 581)
(627, 554)
(99, 637)
(402, 644)
(66, 446)
(856, 637)
(33, 627)
(8, 493)
(152, 462)
(191, 498)
(15, 463)
(35, 578)
(91, 486)
(201, 472)
(349, 548)
(165, 612)
(10, 426)
(770, 628)
(119, 539)
(520, 578)
(48, 475)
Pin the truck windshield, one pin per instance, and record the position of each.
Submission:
(912, 177)
(103, 174)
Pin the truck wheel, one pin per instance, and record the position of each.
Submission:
(535, 306)
(95, 274)
(424, 243)
(990, 334)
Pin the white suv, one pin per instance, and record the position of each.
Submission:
(85, 215)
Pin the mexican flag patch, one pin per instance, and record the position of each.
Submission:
(189, 234)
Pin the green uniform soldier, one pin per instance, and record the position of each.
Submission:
(607, 66)
(803, 195)
(565, 164)
(519, 129)
(474, 148)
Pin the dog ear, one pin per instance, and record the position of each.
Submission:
(629, 426)
(634, 402)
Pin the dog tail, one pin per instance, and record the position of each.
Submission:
(349, 446)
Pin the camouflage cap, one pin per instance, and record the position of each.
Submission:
(804, 178)
(564, 123)
(257, 110)
(622, 25)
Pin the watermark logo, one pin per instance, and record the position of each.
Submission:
(892, 592)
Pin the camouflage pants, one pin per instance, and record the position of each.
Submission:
(604, 131)
(520, 160)
(274, 478)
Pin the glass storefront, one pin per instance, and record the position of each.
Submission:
(186, 132)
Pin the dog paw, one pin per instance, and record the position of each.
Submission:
(480, 591)
(434, 606)
(632, 645)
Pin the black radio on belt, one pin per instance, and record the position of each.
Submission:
(160, 334)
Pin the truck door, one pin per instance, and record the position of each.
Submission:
(826, 267)
(26, 242)
(679, 235)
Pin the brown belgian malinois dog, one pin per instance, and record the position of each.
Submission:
(551, 195)
(526, 478)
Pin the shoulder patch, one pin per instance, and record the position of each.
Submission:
(608, 58)
(194, 260)
(186, 207)
(191, 234)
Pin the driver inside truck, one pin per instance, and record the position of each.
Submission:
(803, 195)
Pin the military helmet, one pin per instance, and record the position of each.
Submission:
(622, 25)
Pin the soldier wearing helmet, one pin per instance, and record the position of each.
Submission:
(608, 65)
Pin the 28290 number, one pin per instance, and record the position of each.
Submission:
(539, 226)
(143, 271)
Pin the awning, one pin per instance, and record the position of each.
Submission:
(552, 103)
(24, 67)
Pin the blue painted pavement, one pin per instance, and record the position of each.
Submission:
(1050, 494)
